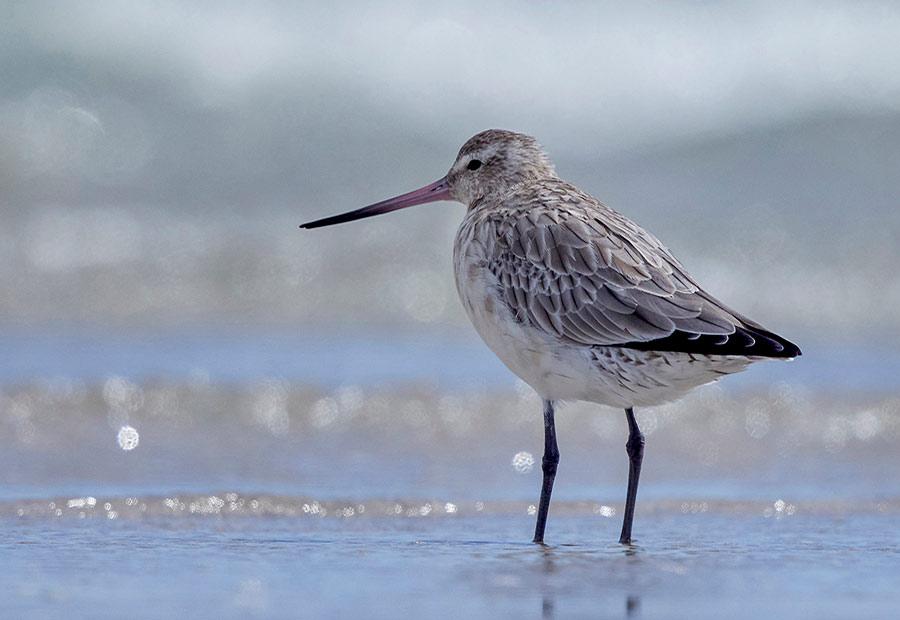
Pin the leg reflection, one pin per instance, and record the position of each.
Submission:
(547, 607)
(548, 600)
(632, 606)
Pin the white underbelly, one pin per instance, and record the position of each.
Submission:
(554, 371)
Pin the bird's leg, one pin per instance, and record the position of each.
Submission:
(548, 466)
(635, 449)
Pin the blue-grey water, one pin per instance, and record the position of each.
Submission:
(698, 566)
(277, 474)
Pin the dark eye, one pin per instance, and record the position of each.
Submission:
(475, 164)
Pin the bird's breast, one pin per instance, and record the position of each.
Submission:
(545, 363)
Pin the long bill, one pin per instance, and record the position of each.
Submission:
(433, 192)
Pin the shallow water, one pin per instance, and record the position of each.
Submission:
(703, 564)
(334, 487)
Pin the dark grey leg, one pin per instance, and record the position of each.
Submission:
(635, 448)
(548, 465)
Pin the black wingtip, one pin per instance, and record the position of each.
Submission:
(746, 340)
(790, 349)
(778, 347)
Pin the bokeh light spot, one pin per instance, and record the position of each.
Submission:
(128, 438)
(523, 462)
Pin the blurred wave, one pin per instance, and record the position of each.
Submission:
(815, 252)
(276, 437)
(155, 159)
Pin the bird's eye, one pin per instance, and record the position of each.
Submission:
(475, 164)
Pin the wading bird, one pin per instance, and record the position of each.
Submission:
(576, 299)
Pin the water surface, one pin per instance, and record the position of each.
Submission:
(272, 475)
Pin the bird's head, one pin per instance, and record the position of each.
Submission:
(494, 161)
(490, 162)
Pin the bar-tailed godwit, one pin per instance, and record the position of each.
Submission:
(576, 299)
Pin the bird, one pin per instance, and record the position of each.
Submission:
(576, 299)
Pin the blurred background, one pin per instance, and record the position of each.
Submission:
(156, 159)
(166, 328)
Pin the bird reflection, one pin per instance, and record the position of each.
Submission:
(548, 597)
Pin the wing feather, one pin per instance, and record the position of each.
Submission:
(574, 268)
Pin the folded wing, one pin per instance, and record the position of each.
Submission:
(589, 275)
